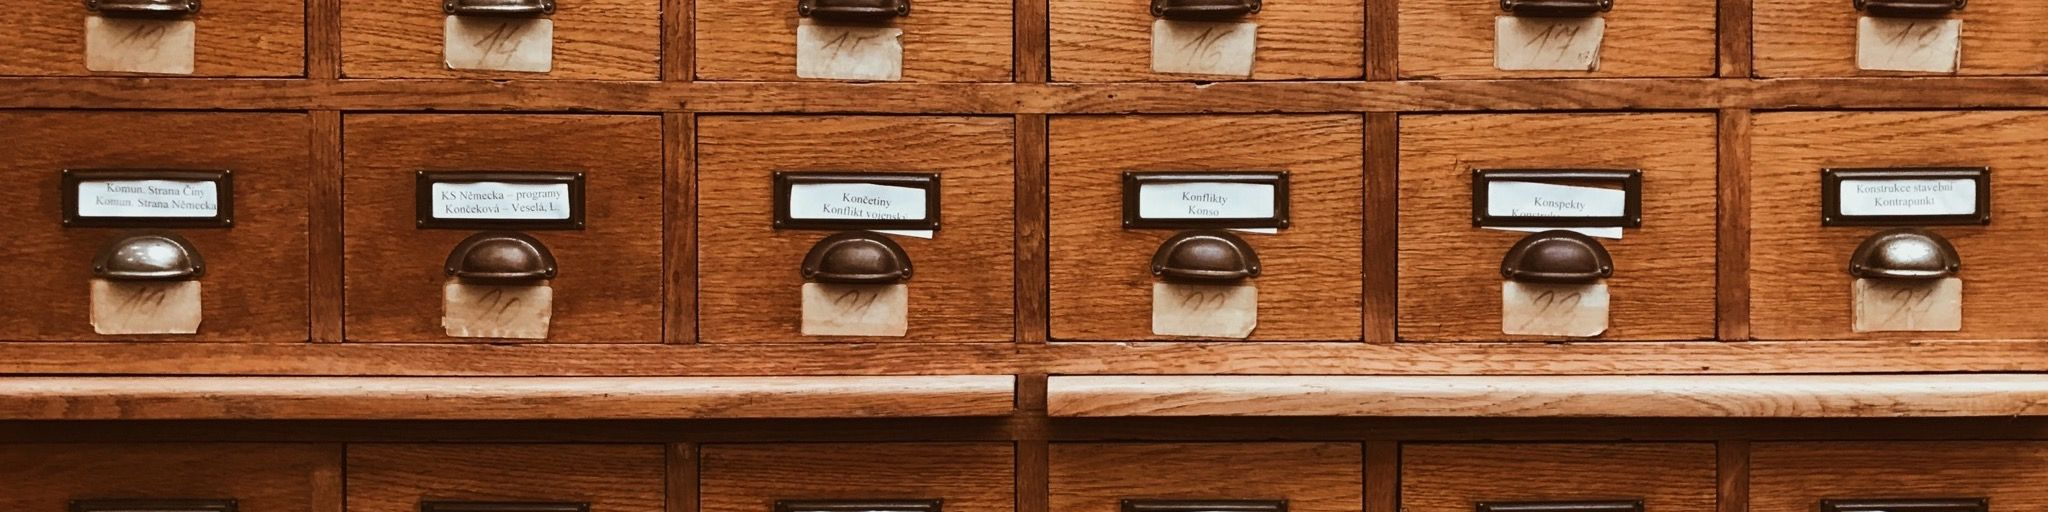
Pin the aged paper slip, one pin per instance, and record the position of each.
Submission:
(1908, 305)
(139, 46)
(1909, 44)
(497, 311)
(848, 52)
(1204, 48)
(1547, 44)
(1540, 309)
(145, 307)
(484, 43)
(1213, 311)
(856, 309)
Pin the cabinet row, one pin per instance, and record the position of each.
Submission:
(972, 40)
(1962, 476)
(564, 228)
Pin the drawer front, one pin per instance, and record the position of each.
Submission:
(609, 284)
(1817, 38)
(1111, 41)
(1799, 286)
(232, 38)
(1309, 477)
(1662, 286)
(750, 285)
(608, 478)
(257, 477)
(943, 41)
(1454, 39)
(965, 477)
(1309, 286)
(1795, 477)
(1665, 477)
(254, 285)
(593, 40)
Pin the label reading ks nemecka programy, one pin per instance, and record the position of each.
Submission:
(489, 200)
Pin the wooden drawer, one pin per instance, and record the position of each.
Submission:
(1795, 477)
(1450, 277)
(608, 478)
(257, 477)
(233, 38)
(1111, 41)
(1799, 288)
(943, 41)
(1310, 477)
(1817, 38)
(254, 286)
(966, 477)
(1454, 39)
(749, 287)
(1665, 477)
(1101, 280)
(593, 40)
(609, 286)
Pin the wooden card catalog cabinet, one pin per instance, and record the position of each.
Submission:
(147, 282)
(857, 280)
(1158, 40)
(1206, 275)
(498, 277)
(501, 39)
(1462, 39)
(854, 40)
(163, 38)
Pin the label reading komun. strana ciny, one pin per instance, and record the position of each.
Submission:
(148, 199)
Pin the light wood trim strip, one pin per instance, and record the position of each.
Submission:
(1781, 396)
(501, 398)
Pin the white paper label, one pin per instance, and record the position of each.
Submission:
(1908, 197)
(835, 52)
(1539, 309)
(1204, 48)
(525, 45)
(1534, 199)
(1908, 305)
(1210, 311)
(148, 199)
(1547, 44)
(1909, 44)
(501, 201)
(139, 46)
(859, 201)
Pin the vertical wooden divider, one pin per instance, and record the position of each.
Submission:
(682, 477)
(1382, 191)
(323, 223)
(1731, 286)
(1383, 476)
(1031, 46)
(1382, 34)
(1032, 292)
(1034, 466)
(678, 40)
(679, 226)
(330, 487)
(1733, 474)
(323, 39)
(1737, 45)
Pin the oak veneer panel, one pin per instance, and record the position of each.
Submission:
(1312, 477)
(1663, 284)
(611, 478)
(1111, 41)
(1795, 476)
(1814, 38)
(259, 477)
(1668, 477)
(610, 286)
(1453, 39)
(1799, 285)
(236, 38)
(969, 477)
(1309, 288)
(749, 290)
(943, 40)
(594, 40)
(255, 286)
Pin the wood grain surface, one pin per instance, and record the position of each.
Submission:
(1799, 283)
(1794, 477)
(266, 477)
(1785, 396)
(943, 40)
(594, 40)
(1663, 284)
(1111, 41)
(969, 477)
(1454, 39)
(235, 38)
(1101, 279)
(1312, 477)
(255, 286)
(1811, 38)
(610, 478)
(609, 289)
(748, 279)
(1668, 477)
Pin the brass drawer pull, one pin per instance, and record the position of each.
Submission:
(856, 257)
(1908, 505)
(858, 11)
(143, 8)
(498, 257)
(1556, 8)
(907, 505)
(1905, 253)
(504, 506)
(1561, 506)
(153, 505)
(1910, 8)
(1205, 10)
(148, 257)
(1556, 256)
(1205, 256)
(507, 8)
(1136, 505)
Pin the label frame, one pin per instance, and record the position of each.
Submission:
(1631, 181)
(1831, 180)
(423, 199)
(223, 183)
(786, 182)
(1134, 180)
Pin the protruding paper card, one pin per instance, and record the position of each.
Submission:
(1210, 311)
(139, 45)
(1204, 48)
(145, 307)
(1542, 309)
(497, 311)
(486, 43)
(1908, 304)
(1593, 202)
(848, 52)
(1909, 44)
(1547, 44)
(856, 309)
